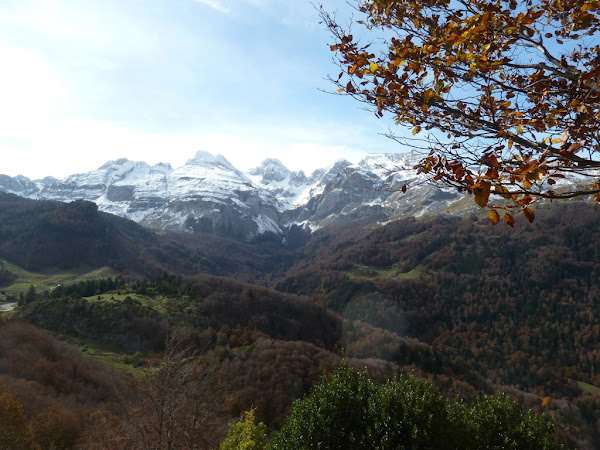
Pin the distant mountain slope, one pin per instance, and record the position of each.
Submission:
(37, 234)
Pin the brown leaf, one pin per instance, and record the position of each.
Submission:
(529, 215)
(509, 220)
(494, 217)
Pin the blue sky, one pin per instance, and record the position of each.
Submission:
(83, 82)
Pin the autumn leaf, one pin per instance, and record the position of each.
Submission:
(494, 217)
(510, 221)
(529, 215)
(526, 200)
(482, 192)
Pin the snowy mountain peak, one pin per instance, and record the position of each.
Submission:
(267, 164)
(333, 171)
(339, 165)
(110, 164)
(206, 159)
(162, 167)
(270, 170)
(388, 164)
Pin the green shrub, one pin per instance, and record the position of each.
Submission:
(349, 411)
(245, 434)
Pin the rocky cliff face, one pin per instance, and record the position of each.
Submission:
(209, 194)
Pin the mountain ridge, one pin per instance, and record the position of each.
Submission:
(209, 194)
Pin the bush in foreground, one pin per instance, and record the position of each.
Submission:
(349, 411)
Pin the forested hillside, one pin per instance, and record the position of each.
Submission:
(473, 308)
(46, 234)
(517, 306)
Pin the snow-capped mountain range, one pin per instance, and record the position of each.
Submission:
(209, 194)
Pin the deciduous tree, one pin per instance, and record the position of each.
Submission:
(505, 93)
(349, 411)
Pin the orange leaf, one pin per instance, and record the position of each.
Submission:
(492, 173)
(526, 200)
(482, 193)
(509, 220)
(494, 217)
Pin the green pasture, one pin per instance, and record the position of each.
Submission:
(50, 278)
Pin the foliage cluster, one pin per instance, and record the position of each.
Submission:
(349, 411)
(87, 288)
(245, 434)
(508, 89)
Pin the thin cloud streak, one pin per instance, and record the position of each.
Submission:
(214, 4)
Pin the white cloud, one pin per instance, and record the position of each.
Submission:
(215, 4)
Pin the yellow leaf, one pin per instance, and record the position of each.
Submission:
(416, 130)
(520, 129)
(341, 90)
(501, 190)
(482, 193)
(557, 140)
(374, 67)
(510, 143)
(494, 217)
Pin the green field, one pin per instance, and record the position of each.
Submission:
(585, 387)
(50, 278)
(368, 272)
(158, 303)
